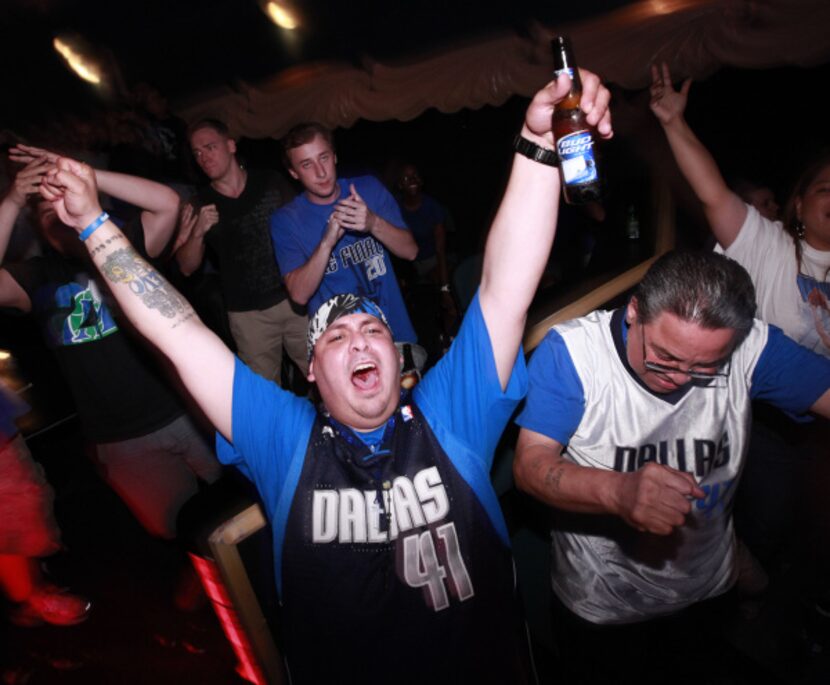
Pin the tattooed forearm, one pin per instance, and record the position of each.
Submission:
(105, 245)
(187, 316)
(125, 265)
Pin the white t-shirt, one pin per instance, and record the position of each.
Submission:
(797, 302)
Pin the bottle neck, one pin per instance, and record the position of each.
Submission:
(576, 82)
(571, 100)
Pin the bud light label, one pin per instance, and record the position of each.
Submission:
(576, 157)
(566, 70)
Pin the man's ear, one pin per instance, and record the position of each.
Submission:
(232, 146)
(293, 174)
(310, 377)
(632, 312)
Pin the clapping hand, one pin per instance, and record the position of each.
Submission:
(352, 213)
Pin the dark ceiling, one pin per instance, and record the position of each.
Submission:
(184, 47)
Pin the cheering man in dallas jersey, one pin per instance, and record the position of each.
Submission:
(641, 416)
(391, 553)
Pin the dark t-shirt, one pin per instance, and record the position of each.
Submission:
(422, 222)
(119, 388)
(240, 244)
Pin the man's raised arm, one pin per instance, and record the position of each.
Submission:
(26, 182)
(154, 307)
(159, 204)
(724, 210)
(522, 233)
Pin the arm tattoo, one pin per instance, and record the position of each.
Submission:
(554, 476)
(105, 245)
(125, 265)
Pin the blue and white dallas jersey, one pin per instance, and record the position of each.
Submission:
(584, 394)
(613, 573)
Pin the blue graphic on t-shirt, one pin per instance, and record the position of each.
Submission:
(82, 317)
(806, 285)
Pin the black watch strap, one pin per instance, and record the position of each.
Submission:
(535, 152)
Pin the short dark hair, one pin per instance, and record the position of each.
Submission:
(208, 122)
(302, 134)
(705, 288)
(743, 187)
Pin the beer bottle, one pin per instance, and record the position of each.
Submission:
(575, 141)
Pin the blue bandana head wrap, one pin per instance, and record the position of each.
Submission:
(335, 307)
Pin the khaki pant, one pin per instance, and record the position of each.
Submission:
(261, 334)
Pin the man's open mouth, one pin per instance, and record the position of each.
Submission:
(365, 375)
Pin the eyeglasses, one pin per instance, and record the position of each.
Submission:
(704, 376)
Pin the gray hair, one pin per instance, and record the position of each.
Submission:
(705, 288)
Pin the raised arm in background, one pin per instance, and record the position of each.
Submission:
(724, 210)
(25, 183)
(159, 204)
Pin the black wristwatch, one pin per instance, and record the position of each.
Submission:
(535, 152)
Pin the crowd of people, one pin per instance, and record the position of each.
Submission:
(391, 552)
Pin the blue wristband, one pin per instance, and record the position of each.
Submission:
(89, 230)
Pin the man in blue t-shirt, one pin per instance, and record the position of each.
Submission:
(391, 553)
(333, 237)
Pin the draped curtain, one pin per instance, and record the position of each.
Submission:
(695, 37)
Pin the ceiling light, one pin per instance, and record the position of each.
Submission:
(83, 65)
(281, 15)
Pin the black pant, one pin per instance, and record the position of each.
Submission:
(681, 648)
